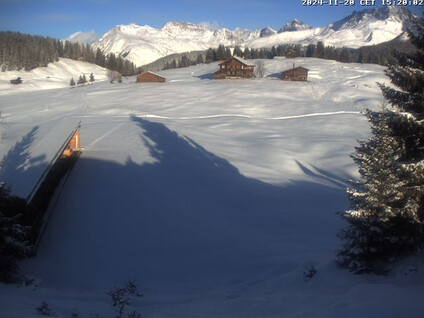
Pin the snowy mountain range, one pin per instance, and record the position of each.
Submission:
(144, 44)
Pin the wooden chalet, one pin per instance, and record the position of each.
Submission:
(290, 54)
(295, 74)
(150, 77)
(235, 67)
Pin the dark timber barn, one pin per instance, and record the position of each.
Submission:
(295, 74)
(150, 77)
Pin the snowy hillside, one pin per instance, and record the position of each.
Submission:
(56, 75)
(216, 196)
(144, 44)
(368, 27)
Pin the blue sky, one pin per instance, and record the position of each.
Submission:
(61, 18)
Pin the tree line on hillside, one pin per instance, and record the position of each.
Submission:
(23, 51)
(383, 54)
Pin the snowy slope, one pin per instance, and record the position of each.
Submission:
(144, 44)
(55, 75)
(215, 196)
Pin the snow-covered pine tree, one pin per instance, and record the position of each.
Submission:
(72, 82)
(91, 77)
(386, 219)
(14, 237)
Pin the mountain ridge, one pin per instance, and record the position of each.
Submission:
(145, 44)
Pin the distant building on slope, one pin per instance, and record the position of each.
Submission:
(235, 67)
(16, 81)
(150, 77)
(295, 74)
(290, 54)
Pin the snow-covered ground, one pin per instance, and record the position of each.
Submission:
(215, 196)
(56, 75)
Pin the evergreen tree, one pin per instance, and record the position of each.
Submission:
(91, 78)
(84, 79)
(344, 55)
(237, 51)
(227, 54)
(209, 56)
(246, 54)
(320, 52)
(310, 51)
(99, 58)
(80, 80)
(386, 221)
(14, 237)
(184, 62)
(173, 64)
(72, 82)
(199, 59)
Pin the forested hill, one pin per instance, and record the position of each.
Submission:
(23, 51)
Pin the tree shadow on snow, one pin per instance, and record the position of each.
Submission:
(275, 75)
(185, 215)
(18, 164)
(207, 76)
(323, 175)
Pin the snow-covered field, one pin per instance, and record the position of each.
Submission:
(214, 196)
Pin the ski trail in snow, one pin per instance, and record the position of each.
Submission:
(342, 112)
(104, 136)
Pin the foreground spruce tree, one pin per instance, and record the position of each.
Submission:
(14, 237)
(386, 219)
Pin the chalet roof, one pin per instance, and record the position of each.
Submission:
(243, 61)
(152, 74)
(295, 68)
(32, 157)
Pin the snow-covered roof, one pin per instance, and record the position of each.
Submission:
(241, 60)
(295, 68)
(30, 159)
(150, 72)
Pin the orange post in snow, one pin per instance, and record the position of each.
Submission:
(74, 145)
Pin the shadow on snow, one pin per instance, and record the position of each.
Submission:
(188, 216)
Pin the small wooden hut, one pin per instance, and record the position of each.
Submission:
(290, 54)
(235, 67)
(150, 77)
(16, 81)
(295, 74)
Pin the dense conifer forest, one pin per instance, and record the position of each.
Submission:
(382, 54)
(26, 52)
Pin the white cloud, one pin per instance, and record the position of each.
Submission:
(210, 25)
(83, 37)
